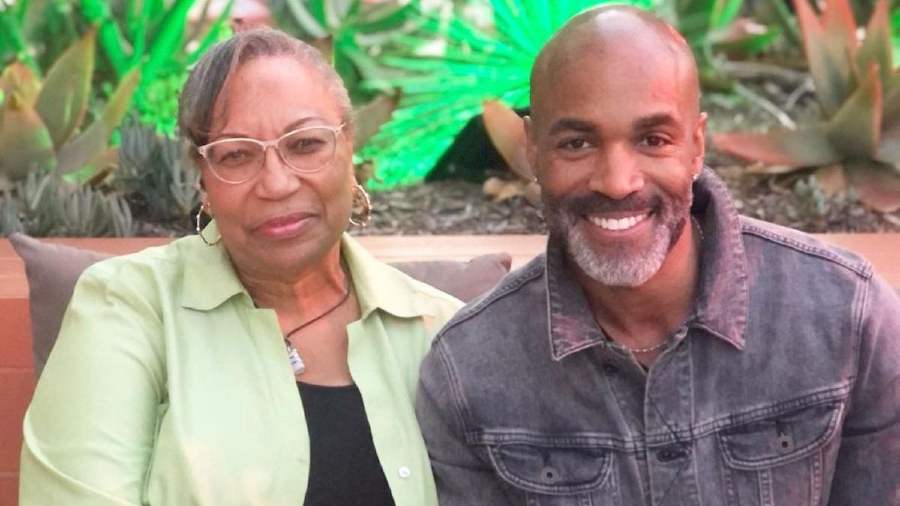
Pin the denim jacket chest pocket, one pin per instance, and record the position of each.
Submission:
(780, 459)
(548, 474)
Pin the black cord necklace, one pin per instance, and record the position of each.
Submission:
(294, 357)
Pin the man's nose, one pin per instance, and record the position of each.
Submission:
(616, 173)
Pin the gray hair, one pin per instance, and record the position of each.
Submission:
(207, 80)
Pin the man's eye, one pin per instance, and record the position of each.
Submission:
(655, 141)
(574, 144)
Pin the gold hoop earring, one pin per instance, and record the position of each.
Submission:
(204, 208)
(362, 207)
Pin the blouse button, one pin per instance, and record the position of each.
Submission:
(404, 472)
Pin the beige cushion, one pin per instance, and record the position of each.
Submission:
(53, 269)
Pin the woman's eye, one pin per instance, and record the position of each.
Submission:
(234, 156)
(305, 145)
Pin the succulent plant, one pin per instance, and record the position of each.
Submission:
(857, 141)
(40, 120)
(46, 205)
(154, 171)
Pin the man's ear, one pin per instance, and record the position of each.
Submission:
(699, 142)
(531, 146)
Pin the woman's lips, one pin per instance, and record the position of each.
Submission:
(283, 227)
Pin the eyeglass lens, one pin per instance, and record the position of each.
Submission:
(306, 150)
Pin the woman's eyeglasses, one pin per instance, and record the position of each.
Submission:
(305, 150)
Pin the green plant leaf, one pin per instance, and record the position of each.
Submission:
(828, 64)
(63, 100)
(307, 21)
(111, 40)
(95, 138)
(25, 143)
(213, 34)
(168, 39)
(790, 149)
(724, 12)
(876, 48)
(878, 187)
(855, 130)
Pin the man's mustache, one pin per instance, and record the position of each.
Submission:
(596, 203)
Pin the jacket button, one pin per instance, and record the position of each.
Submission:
(404, 472)
(671, 453)
(549, 474)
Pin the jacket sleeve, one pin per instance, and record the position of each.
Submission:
(868, 463)
(462, 476)
(90, 429)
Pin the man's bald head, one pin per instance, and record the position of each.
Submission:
(615, 33)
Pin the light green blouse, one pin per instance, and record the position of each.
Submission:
(167, 386)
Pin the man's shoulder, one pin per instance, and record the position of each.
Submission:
(499, 305)
(788, 244)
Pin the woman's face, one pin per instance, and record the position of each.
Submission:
(279, 222)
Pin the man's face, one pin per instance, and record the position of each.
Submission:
(616, 139)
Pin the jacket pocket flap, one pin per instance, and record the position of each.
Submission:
(780, 439)
(551, 470)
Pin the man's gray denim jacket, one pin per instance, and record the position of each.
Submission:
(785, 389)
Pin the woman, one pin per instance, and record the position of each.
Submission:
(175, 378)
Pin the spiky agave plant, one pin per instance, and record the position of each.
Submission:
(858, 140)
(453, 68)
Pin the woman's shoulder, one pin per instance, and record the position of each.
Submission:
(147, 271)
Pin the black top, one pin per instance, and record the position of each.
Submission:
(344, 469)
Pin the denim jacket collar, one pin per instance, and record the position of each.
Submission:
(721, 302)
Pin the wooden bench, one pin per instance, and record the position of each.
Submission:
(16, 368)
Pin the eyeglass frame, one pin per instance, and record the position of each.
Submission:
(202, 150)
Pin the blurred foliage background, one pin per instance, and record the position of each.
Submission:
(89, 89)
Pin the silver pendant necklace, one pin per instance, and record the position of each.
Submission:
(294, 358)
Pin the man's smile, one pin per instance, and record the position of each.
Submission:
(617, 224)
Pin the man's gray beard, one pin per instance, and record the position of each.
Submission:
(621, 267)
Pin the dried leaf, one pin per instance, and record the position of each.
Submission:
(502, 189)
(831, 179)
(25, 143)
(63, 100)
(19, 83)
(855, 130)
(807, 147)
(507, 131)
(878, 187)
(369, 117)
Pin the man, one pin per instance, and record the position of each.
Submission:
(664, 350)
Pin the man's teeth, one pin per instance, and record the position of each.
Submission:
(617, 224)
